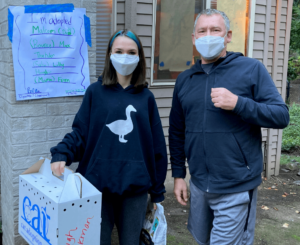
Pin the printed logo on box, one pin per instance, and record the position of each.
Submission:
(37, 219)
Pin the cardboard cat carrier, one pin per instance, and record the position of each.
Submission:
(56, 211)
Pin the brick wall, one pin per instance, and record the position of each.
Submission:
(29, 128)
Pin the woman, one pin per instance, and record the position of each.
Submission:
(118, 139)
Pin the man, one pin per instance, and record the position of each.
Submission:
(218, 109)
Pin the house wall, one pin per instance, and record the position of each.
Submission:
(271, 42)
(28, 129)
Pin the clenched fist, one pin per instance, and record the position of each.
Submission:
(223, 98)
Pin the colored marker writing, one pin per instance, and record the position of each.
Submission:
(70, 238)
(87, 226)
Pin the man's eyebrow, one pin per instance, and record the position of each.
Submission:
(200, 28)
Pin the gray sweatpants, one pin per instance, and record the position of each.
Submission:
(222, 219)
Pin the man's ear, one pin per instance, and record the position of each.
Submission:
(229, 36)
(193, 38)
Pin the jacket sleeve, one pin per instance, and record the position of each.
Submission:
(177, 137)
(72, 147)
(161, 158)
(267, 108)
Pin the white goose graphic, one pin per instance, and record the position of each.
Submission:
(122, 127)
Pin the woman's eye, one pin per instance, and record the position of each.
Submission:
(118, 52)
(132, 53)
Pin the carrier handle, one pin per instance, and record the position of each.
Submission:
(80, 192)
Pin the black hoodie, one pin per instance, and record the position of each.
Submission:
(118, 139)
(223, 148)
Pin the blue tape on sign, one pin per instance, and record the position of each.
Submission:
(162, 64)
(10, 25)
(49, 8)
(87, 27)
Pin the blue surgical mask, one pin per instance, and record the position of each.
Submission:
(210, 47)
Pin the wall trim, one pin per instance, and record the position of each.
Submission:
(208, 3)
(251, 28)
(274, 75)
(130, 14)
(114, 16)
(153, 42)
(267, 33)
(284, 78)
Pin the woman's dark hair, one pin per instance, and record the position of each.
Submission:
(109, 75)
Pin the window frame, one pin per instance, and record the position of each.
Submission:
(164, 83)
(171, 82)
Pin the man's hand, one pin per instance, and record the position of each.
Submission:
(223, 98)
(180, 191)
(58, 168)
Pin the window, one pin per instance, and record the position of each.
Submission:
(174, 21)
(174, 51)
(238, 14)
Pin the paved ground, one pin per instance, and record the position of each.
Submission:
(269, 230)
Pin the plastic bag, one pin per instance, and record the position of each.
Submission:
(154, 230)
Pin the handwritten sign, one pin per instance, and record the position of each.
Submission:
(50, 53)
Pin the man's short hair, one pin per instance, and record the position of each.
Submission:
(211, 12)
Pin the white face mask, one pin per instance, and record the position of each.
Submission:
(124, 64)
(210, 47)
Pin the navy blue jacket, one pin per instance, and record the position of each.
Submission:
(118, 139)
(223, 148)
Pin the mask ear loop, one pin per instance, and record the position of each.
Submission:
(226, 36)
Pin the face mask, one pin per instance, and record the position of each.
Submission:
(210, 46)
(124, 64)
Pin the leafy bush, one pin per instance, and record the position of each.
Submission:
(291, 134)
(295, 29)
(294, 68)
(294, 61)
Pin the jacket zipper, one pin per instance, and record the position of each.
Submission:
(204, 140)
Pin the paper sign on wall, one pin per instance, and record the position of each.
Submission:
(50, 55)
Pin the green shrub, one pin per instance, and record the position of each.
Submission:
(294, 68)
(291, 134)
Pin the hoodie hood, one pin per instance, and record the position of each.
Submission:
(221, 61)
(129, 89)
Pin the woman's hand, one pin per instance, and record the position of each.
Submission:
(58, 168)
(154, 206)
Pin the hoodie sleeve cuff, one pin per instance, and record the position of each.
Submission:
(179, 172)
(238, 106)
(59, 158)
(156, 198)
